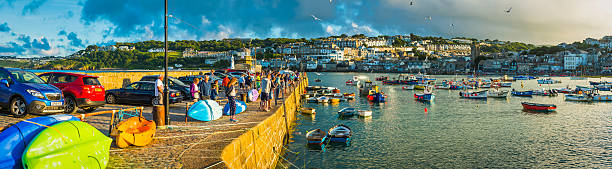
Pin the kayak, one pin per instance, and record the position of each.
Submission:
(240, 107)
(253, 95)
(73, 144)
(136, 131)
(15, 138)
(205, 110)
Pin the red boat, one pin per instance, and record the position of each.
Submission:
(538, 107)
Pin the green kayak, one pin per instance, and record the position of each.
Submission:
(69, 144)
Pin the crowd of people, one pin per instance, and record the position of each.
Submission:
(270, 85)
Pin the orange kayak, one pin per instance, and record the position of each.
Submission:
(136, 131)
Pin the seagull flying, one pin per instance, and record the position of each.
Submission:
(508, 11)
(315, 18)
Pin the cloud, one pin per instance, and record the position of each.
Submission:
(32, 6)
(4, 27)
(26, 45)
(541, 22)
(72, 37)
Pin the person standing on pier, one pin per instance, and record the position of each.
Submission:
(231, 94)
(265, 93)
(205, 88)
(214, 90)
(195, 89)
(225, 81)
(241, 83)
(159, 87)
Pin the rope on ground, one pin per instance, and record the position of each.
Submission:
(200, 134)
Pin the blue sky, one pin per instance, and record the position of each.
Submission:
(60, 27)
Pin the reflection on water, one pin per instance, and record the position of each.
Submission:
(452, 132)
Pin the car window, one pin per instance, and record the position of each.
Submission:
(61, 78)
(91, 81)
(3, 75)
(133, 86)
(26, 77)
(45, 77)
(147, 86)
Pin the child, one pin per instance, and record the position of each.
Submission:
(214, 90)
(194, 89)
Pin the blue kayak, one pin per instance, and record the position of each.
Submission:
(205, 110)
(240, 107)
(15, 138)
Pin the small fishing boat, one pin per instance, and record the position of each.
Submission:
(485, 85)
(322, 99)
(599, 83)
(603, 87)
(240, 107)
(544, 93)
(382, 78)
(548, 81)
(425, 96)
(409, 87)
(348, 111)
(316, 137)
(505, 84)
(456, 87)
(334, 100)
(364, 113)
(497, 94)
(563, 90)
(312, 100)
(136, 131)
(578, 97)
(15, 138)
(522, 93)
(602, 98)
(377, 98)
(420, 87)
(349, 96)
(578, 78)
(521, 78)
(340, 134)
(205, 110)
(353, 82)
(77, 145)
(317, 80)
(308, 110)
(474, 95)
(445, 86)
(538, 107)
(335, 90)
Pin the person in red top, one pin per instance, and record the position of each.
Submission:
(226, 80)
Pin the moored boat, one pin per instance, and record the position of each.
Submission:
(538, 107)
(425, 96)
(522, 93)
(409, 87)
(505, 84)
(348, 111)
(497, 94)
(578, 97)
(444, 86)
(602, 98)
(364, 113)
(377, 98)
(205, 110)
(308, 110)
(548, 81)
(340, 134)
(322, 99)
(382, 78)
(136, 131)
(316, 137)
(420, 87)
(474, 95)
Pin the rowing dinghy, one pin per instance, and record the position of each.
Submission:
(240, 107)
(136, 131)
(316, 137)
(68, 144)
(205, 110)
(340, 134)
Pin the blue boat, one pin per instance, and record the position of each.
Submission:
(15, 138)
(522, 93)
(425, 97)
(206, 110)
(377, 98)
(240, 107)
(523, 77)
(340, 134)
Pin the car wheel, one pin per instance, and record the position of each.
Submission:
(154, 101)
(111, 99)
(90, 109)
(18, 107)
(70, 105)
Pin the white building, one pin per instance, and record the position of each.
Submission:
(337, 55)
(571, 62)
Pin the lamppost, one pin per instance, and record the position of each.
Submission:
(166, 98)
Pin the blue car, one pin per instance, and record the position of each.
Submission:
(23, 92)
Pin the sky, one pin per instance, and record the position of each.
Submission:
(61, 27)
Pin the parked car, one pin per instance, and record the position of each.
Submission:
(173, 83)
(237, 74)
(139, 92)
(188, 80)
(79, 90)
(217, 74)
(22, 92)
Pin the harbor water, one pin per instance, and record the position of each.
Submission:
(456, 133)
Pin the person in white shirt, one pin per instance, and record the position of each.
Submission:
(159, 87)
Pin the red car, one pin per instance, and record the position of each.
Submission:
(80, 91)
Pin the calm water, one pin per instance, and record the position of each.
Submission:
(457, 133)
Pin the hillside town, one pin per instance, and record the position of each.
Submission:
(411, 53)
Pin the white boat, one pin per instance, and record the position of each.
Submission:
(311, 65)
(497, 94)
(364, 113)
(474, 95)
(602, 98)
(308, 110)
(348, 111)
(443, 86)
(578, 78)
(409, 87)
(578, 97)
(353, 82)
(322, 99)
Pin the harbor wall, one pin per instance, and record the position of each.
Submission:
(262, 145)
